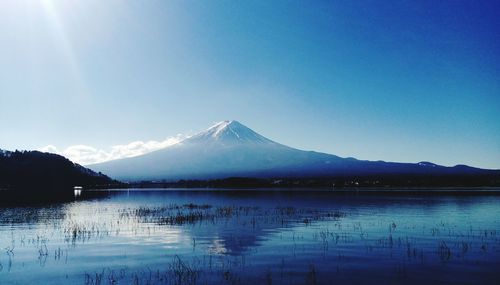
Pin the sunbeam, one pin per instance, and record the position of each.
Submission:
(52, 15)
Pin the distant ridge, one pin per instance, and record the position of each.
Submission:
(35, 171)
(230, 149)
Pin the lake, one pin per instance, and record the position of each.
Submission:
(252, 237)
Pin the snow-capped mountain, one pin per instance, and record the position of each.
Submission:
(229, 132)
(230, 149)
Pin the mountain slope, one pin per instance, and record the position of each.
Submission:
(33, 170)
(231, 149)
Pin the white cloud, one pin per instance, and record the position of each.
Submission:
(86, 155)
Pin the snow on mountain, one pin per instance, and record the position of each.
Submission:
(229, 132)
(230, 149)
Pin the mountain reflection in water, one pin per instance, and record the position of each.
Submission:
(191, 237)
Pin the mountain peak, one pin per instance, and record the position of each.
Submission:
(230, 131)
(221, 126)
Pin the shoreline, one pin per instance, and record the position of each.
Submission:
(372, 190)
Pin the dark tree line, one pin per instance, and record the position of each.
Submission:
(338, 182)
(36, 171)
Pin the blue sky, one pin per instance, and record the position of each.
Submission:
(380, 80)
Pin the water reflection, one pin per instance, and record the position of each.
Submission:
(252, 237)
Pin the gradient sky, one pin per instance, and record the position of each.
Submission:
(381, 80)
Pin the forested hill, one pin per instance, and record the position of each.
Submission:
(44, 172)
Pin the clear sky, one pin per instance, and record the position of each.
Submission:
(380, 80)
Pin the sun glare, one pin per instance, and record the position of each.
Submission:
(54, 17)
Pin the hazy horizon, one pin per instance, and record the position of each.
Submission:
(394, 81)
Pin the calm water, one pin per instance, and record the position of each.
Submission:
(193, 237)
